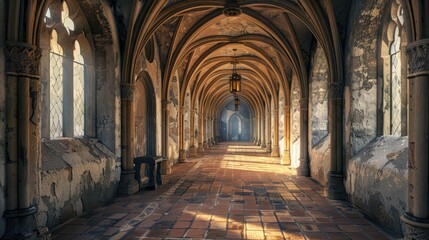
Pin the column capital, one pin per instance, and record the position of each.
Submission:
(22, 59)
(336, 90)
(418, 58)
(127, 91)
(165, 104)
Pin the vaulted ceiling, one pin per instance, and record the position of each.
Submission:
(273, 40)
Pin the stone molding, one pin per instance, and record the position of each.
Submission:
(336, 90)
(418, 58)
(415, 228)
(22, 59)
(127, 91)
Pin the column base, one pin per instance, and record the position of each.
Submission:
(268, 148)
(205, 145)
(285, 160)
(128, 185)
(304, 168)
(255, 141)
(275, 152)
(263, 145)
(21, 224)
(192, 151)
(259, 142)
(415, 228)
(335, 189)
(165, 167)
(200, 147)
(182, 156)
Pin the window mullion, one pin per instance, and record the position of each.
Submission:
(68, 95)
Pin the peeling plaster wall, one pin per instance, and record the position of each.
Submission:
(173, 109)
(361, 74)
(2, 119)
(319, 150)
(187, 122)
(295, 123)
(77, 175)
(377, 180)
(376, 168)
(281, 123)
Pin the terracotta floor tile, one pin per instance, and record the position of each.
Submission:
(230, 192)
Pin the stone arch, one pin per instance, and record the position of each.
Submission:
(234, 127)
(145, 102)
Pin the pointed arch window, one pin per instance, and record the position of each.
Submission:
(394, 86)
(70, 77)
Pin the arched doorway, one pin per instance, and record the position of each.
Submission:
(234, 130)
(145, 116)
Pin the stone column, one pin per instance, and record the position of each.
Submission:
(200, 132)
(259, 142)
(416, 218)
(182, 151)
(304, 168)
(166, 168)
(192, 148)
(205, 135)
(23, 138)
(209, 131)
(128, 184)
(286, 154)
(268, 130)
(275, 148)
(335, 188)
(263, 129)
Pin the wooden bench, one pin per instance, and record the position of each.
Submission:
(154, 163)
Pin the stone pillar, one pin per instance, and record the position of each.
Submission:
(304, 168)
(209, 131)
(335, 189)
(205, 135)
(166, 168)
(268, 131)
(275, 148)
(286, 154)
(263, 129)
(192, 148)
(182, 151)
(23, 138)
(416, 218)
(128, 184)
(200, 132)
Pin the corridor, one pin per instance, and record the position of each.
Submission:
(234, 191)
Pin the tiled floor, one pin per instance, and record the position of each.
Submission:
(232, 192)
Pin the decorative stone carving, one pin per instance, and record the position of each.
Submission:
(127, 91)
(418, 58)
(22, 59)
(336, 90)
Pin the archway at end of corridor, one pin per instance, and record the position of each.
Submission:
(236, 125)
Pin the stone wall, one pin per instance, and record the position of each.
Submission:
(77, 175)
(2, 118)
(319, 147)
(229, 133)
(376, 167)
(173, 120)
(281, 123)
(377, 180)
(295, 122)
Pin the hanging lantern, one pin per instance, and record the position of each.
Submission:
(237, 101)
(236, 107)
(235, 79)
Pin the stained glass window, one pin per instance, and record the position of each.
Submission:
(65, 19)
(56, 86)
(78, 91)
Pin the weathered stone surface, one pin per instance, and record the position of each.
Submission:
(173, 120)
(377, 180)
(2, 120)
(295, 123)
(361, 70)
(77, 175)
(319, 96)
